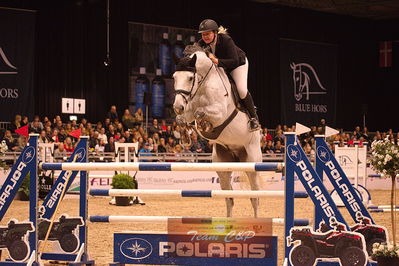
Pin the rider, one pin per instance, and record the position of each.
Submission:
(224, 53)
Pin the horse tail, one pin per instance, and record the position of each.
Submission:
(222, 30)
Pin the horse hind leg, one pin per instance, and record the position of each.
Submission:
(225, 184)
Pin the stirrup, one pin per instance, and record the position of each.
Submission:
(253, 124)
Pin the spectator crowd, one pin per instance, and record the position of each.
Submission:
(160, 136)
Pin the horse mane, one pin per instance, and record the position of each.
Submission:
(191, 49)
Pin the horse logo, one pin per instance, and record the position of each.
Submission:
(7, 63)
(302, 80)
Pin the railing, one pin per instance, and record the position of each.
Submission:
(5, 125)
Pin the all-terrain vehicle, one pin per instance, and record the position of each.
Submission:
(12, 237)
(62, 231)
(372, 233)
(337, 243)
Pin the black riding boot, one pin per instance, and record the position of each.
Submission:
(253, 117)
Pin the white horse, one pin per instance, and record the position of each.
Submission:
(204, 96)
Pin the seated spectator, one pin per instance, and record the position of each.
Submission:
(170, 146)
(24, 121)
(196, 145)
(128, 120)
(268, 148)
(138, 117)
(279, 137)
(100, 146)
(278, 148)
(145, 151)
(176, 134)
(62, 135)
(11, 142)
(102, 135)
(266, 135)
(60, 153)
(111, 131)
(36, 126)
(43, 137)
(155, 127)
(119, 127)
(112, 114)
(110, 146)
(68, 145)
(16, 123)
(162, 145)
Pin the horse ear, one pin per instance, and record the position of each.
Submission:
(193, 60)
(175, 58)
(292, 65)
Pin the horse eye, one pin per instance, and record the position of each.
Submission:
(190, 79)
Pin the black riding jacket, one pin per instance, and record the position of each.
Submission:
(230, 56)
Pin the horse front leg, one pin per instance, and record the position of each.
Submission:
(225, 184)
(253, 181)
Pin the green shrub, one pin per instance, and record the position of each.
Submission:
(123, 181)
(25, 185)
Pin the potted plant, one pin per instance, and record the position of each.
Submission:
(385, 160)
(385, 255)
(23, 191)
(123, 181)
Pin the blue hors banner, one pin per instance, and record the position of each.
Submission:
(17, 31)
(308, 74)
(166, 249)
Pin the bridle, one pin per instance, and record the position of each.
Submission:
(190, 94)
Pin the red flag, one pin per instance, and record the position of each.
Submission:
(386, 54)
(76, 133)
(24, 131)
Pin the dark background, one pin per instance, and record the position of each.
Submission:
(71, 47)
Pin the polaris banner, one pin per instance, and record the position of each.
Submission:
(159, 249)
(326, 161)
(297, 162)
(308, 74)
(17, 31)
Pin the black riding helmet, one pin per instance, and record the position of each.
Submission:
(207, 25)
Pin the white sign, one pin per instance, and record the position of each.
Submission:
(67, 106)
(79, 106)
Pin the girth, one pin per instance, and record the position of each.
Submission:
(216, 131)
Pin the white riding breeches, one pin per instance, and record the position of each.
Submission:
(240, 76)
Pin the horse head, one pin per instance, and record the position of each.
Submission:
(190, 73)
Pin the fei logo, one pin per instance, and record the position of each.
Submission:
(323, 154)
(293, 153)
(5, 60)
(302, 81)
(28, 155)
(136, 248)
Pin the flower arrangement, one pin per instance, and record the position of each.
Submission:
(385, 250)
(385, 160)
(3, 149)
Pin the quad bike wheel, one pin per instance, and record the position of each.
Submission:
(302, 256)
(69, 243)
(18, 250)
(352, 256)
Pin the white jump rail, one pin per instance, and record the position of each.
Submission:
(230, 166)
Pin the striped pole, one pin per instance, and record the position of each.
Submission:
(193, 193)
(383, 210)
(164, 219)
(230, 166)
(381, 206)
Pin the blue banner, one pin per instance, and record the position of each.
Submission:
(308, 74)
(17, 31)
